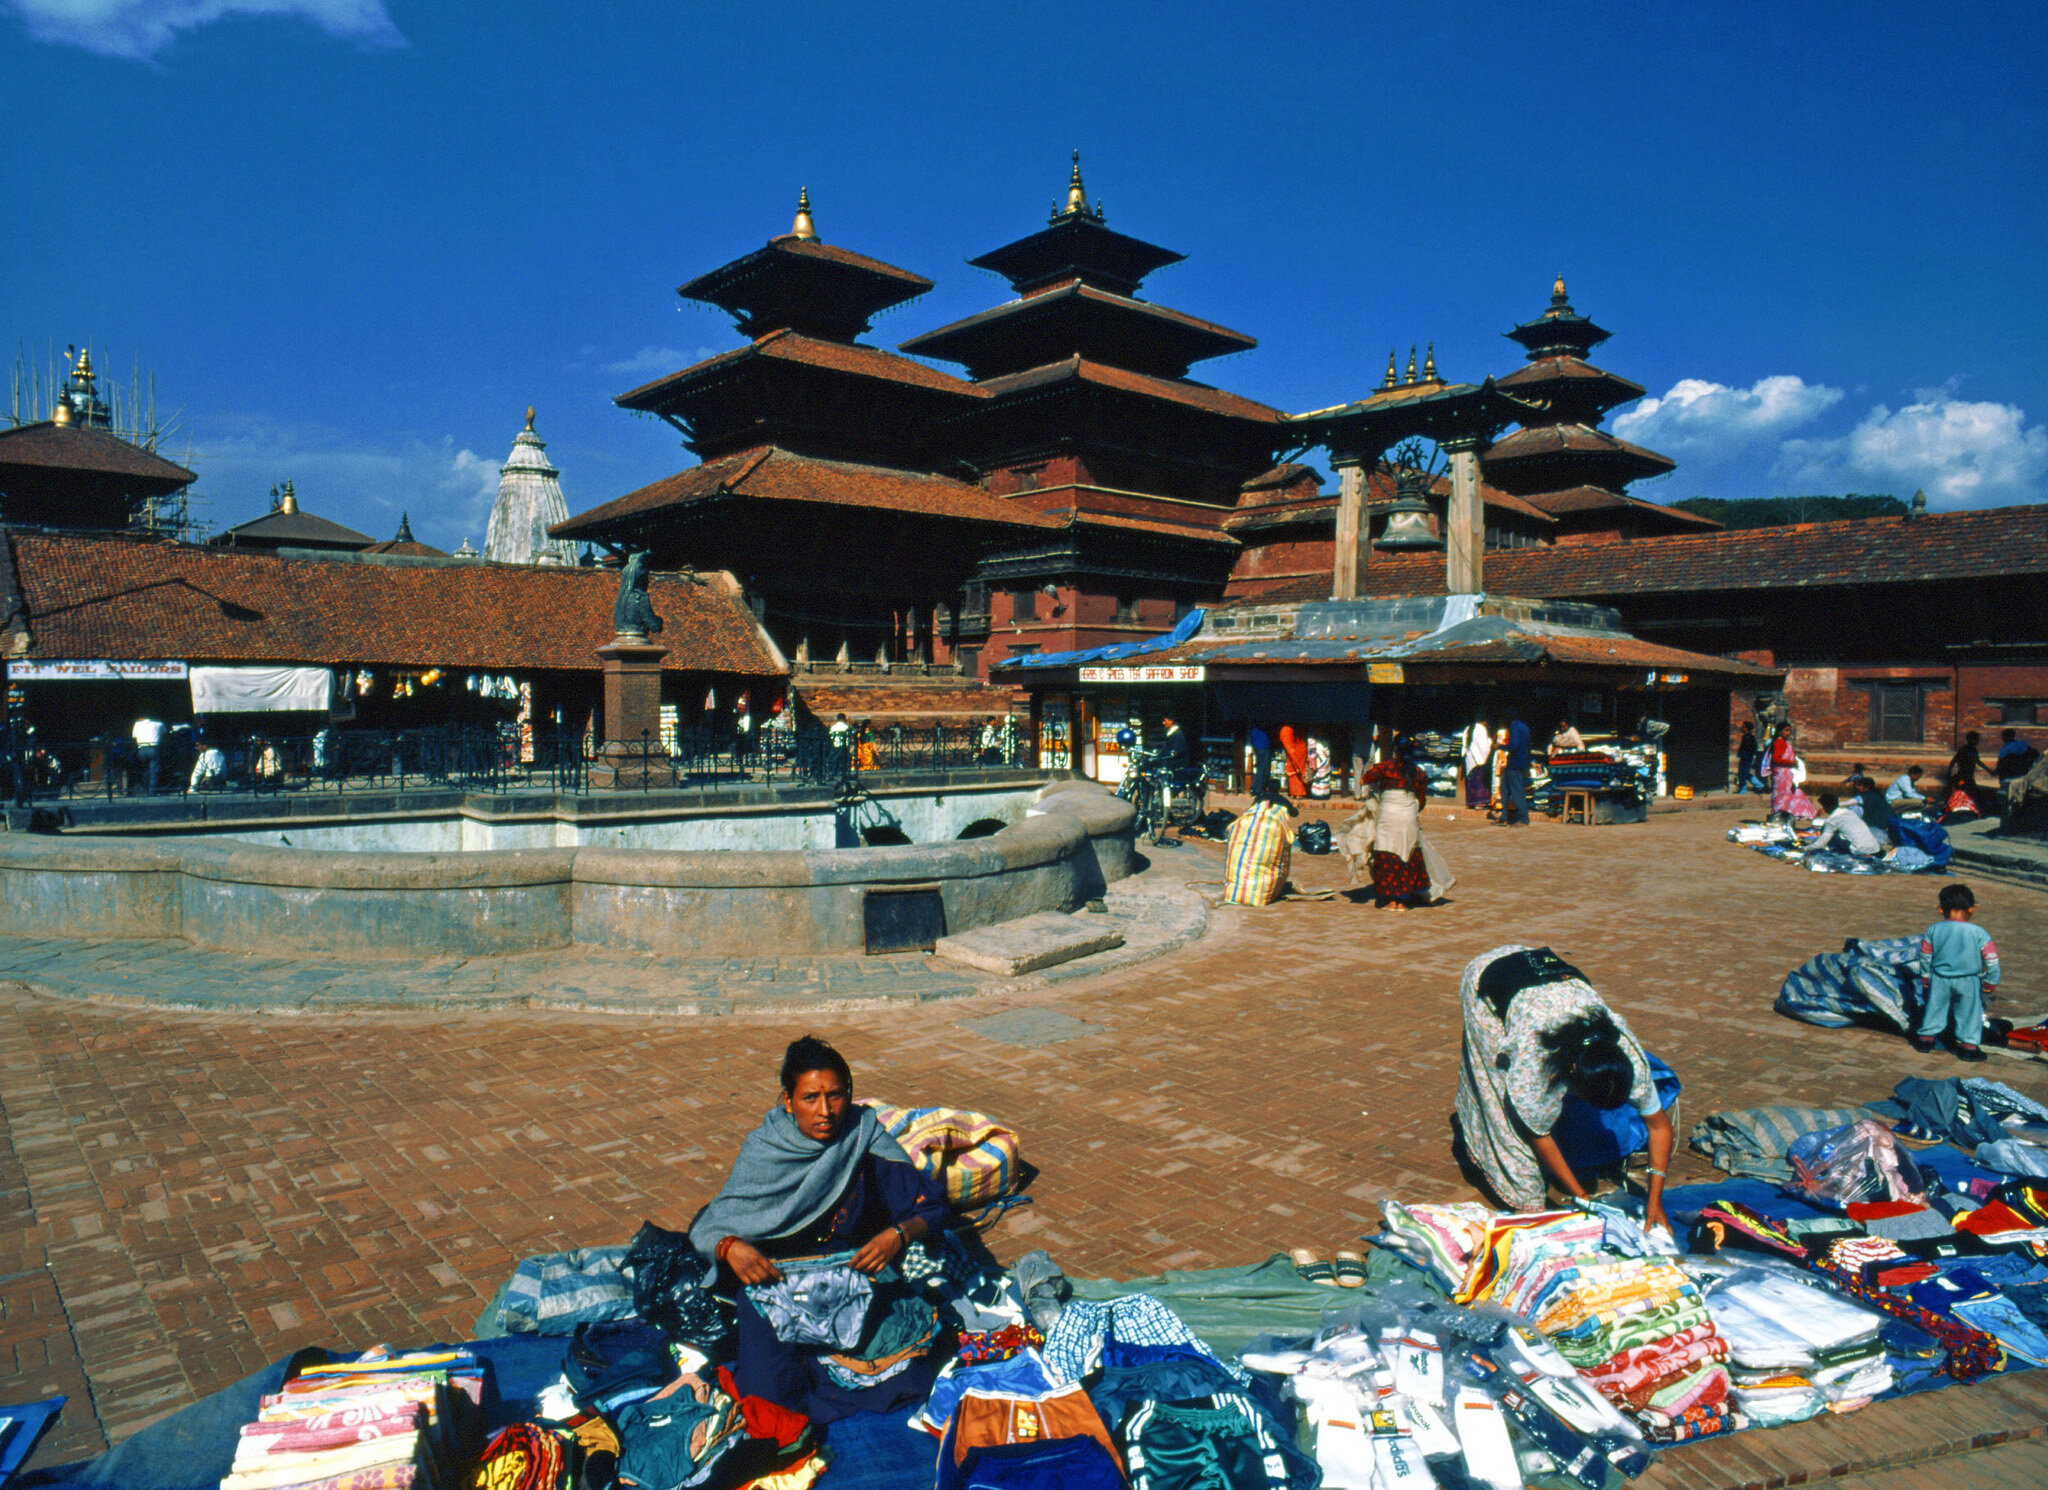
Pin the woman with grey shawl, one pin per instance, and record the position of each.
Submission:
(819, 1177)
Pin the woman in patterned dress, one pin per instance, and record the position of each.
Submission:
(1535, 1031)
(1405, 870)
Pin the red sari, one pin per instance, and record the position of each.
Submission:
(1295, 749)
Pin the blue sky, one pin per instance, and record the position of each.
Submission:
(354, 239)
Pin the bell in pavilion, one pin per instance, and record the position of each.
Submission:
(1408, 516)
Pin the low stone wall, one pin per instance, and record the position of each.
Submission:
(245, 898)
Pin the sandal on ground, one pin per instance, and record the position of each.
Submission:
(1350, 1270)
(1313, 1268)
(1970, 1053)
(1924, 1044)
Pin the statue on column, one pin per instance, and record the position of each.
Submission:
(633, 612)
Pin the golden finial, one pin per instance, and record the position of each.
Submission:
(529, 418)
(1429, 365)
(288, 501)
(1411, 364)
(803, 227)
(1557, 295)
(1077, 196)
(1392, 376)
(84, 368)
(61, 415)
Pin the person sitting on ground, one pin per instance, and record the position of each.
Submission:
(819, 1176)
(1566, 739)
(2015, 756)
(1535, 1033)
(1905, 788)
(1959, 782)
(1838, 821)
(1876, 810)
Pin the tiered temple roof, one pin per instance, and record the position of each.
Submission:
(1562, 462)
(804, 383)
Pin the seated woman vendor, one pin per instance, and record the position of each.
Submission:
(821, 1179)
(1536, 1034)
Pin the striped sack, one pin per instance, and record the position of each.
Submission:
(1754, 1142)
(974, 1158)
(553, 1293)
(1256, 861)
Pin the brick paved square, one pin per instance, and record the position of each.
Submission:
(185, 1196)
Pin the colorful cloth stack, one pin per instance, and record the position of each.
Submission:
(381, 1422)
(1634, 1324)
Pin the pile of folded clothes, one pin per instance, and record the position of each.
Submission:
(379, 1422)
(1617, 1306)
(1794, 1350)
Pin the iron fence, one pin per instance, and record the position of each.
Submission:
(484, 759)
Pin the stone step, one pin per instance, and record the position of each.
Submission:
(1013, 948)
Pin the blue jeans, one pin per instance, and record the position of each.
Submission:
(1514, 790)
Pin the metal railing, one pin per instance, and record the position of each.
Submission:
(486, 759)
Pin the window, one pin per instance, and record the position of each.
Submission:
(1126, 610)
(968, 659)
(1023, 605)
(1024, 651)
(1896, 713)
(2017, 710)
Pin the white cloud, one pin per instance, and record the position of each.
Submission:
(1712, 422)
(139, 29)
(1962, 454)
(447, 490)
(653, 362)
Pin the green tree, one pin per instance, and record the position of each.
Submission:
(1775, 512)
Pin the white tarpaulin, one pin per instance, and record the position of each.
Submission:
(252, 690)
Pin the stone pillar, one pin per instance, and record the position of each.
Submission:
(1464, 523)
(1354, 531)
(632, 758)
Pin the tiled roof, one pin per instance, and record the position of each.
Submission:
(91, 597)
(881, 701)
(770, 474)
(1861, 551)
(1570, 439)
(1285, 474)
(1192, 532)
(1222, 338)
(1483, 642)
(282, 529)
(1599, 498)
(78, 447)
(1173, 390)
(1379, 494)
(407, 549)
(1568, 369)
(794, 346)
(811, 248)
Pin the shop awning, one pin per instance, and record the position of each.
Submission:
(259, 690)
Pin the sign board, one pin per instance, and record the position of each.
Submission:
(95, 672)
(1384, 672)
(1175, 673)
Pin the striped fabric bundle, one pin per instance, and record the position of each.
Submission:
(974, 1158)
(1754, 1143)
(1865, 980)
(1257, 858)
(556, 1290)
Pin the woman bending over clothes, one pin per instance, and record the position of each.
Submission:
(1536, 1032)
(820, 1177)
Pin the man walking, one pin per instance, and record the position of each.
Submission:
(1514, 776)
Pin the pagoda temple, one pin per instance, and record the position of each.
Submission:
(529, 502)
(1565, 464)
(72, 471)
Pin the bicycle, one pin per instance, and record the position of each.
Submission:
(1145, 786)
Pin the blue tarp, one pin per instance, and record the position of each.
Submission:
(1189, 625)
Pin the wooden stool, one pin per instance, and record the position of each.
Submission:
(1578, 800)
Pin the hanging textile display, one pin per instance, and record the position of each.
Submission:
(257, 690)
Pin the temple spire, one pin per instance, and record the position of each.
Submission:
(1411, 364)
(803, 227)
(529, 418)
(1429, 364)
(1077, 195)
(404, 534)
(1558, 297)
(1393, 376)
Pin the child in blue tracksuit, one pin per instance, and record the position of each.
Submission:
(1961, 962)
